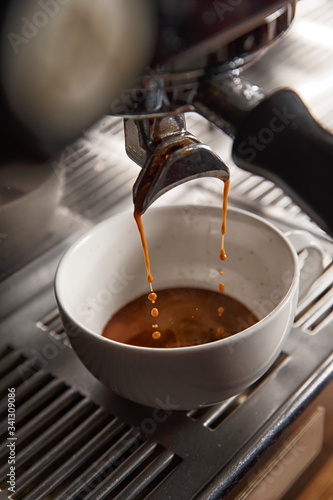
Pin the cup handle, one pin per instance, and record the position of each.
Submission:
(312, 265)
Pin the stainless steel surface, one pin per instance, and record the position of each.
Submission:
(225, 100)
(234, 32)
(235, 35)
(75, 438)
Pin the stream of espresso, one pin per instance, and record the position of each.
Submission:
(138, 220)
(156, 334)
(184, 316)
(223, 255)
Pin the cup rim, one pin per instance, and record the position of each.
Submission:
(166, 350)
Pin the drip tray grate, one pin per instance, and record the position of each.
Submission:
(51, 323)
(213, 417)
(315, 310)
(68, 447)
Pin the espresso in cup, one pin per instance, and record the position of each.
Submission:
(186, 317)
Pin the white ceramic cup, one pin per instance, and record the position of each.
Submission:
(105, 270)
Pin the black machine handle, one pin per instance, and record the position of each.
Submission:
(281, 140)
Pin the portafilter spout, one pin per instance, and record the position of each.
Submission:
(169, 156)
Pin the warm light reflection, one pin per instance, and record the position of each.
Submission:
(314, 32)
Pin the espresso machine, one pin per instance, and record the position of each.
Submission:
(179, 57)
(89, 92)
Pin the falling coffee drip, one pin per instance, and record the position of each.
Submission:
(223, 255)
(138, 210)
(152, 296)
(154, 312)
(138, 220)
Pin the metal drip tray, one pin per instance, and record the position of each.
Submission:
(75, 438)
